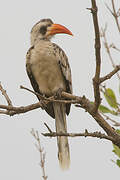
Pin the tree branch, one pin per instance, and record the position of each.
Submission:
(97, 102)
(114, 13)
(12, 110)
(85, 134)
(35, 134)
(84, 103)
(115, 123)
(89, 107)
(103, 34)
(108, 76)
(114, 47)
(50, 99)
(5, 95)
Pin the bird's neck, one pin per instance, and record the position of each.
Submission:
(35, 39)
(38, 40)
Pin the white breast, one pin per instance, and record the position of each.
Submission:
(46, 70)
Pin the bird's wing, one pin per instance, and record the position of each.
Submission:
(65, 69)
(49, 107)
(29, 71)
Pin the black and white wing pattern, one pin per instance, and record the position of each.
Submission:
(65, 69)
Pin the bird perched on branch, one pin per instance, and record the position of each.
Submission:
(49, 71)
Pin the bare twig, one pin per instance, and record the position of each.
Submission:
(109, 9)
(114, 47)
(9, 102)
(85, 134)
(97, 102)
(48, 128)
(37, 94)
(5, 95)
(35, 134)
(12, 110)
(114, 13)
(103, 31)
(108, 76)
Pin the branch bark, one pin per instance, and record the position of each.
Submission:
(96, 78)
(4, 93)
(108, 76)
(85, 134)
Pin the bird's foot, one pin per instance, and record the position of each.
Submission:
(58, 94)
(43, 104)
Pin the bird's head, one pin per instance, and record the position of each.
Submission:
(45, 29)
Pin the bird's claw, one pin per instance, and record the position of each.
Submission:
(58, 94)
(43, 104)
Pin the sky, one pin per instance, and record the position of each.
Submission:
(90, 157)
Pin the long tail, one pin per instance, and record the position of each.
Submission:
(62, 141)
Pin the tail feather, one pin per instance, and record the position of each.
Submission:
(62, 141)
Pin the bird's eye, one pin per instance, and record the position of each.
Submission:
(43, 30)
(49, 25)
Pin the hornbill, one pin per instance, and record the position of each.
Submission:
(49, 71)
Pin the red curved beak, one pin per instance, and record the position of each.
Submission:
(58, 29)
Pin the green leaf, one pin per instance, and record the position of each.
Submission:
(104, 109)
(116, 150)
(114, 113)
(111, 98)
(118, 162)
(118, 131)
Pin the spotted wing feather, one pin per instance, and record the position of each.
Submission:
(65, 69)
